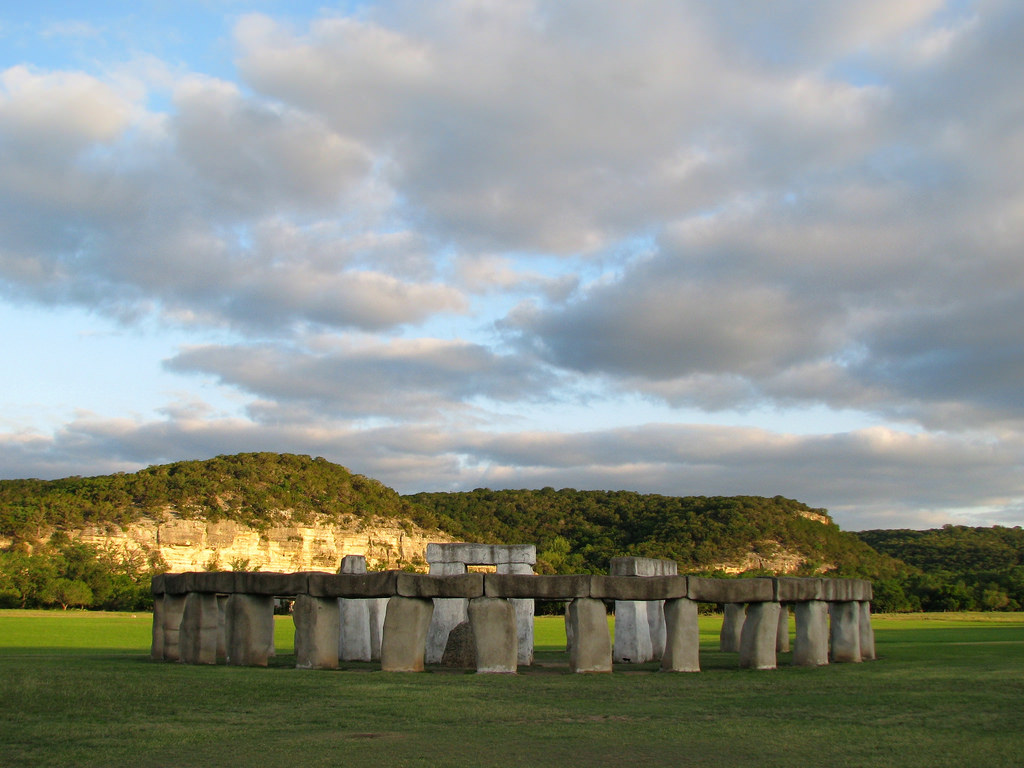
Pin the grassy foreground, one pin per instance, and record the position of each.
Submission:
(79, 689)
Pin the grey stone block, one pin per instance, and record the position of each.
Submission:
(250, 629)
(682, 637)
(732, 627)
(493, 621)
(867, 633)
(405, 634)
(782, 635)
(317, 629)
(353, 564)
(730, 590)
(222, 626)
(175, 583)
(844, 631)
(448, 614)
(156, 648)
(642, 566)
(156, 584)
(638, 587)
(632, 643)
(378, 610)
(789, 589)
(353, 585)
(460, 650)
(481, 554)
(591, 649)
(539, 587)
(466, 585)
(354, 633)
(759, 635)
(810, 647)
(271, 584)
(173, 611)
(845, 590)
(199, 624)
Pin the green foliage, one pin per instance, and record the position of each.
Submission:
(579, 531)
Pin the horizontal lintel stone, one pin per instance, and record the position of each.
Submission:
(373, 584)
(424, 585)
(730, 590)
(642, 566)
(794, 590)
(482, 554)
(638, 587)
(846, 590)
(558, 587)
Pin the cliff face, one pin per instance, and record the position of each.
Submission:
(193, 545)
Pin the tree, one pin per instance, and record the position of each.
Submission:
(70, 592)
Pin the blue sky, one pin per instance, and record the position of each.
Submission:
(660, 246)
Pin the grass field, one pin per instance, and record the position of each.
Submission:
(78, 689)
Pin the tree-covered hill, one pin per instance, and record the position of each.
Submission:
(581, 530)
(250, 488)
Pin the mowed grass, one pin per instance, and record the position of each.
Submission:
(79, 689)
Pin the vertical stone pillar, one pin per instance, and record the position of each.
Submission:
(632, 632)
(656, 626)
(682, 637)
(317, 621)
(810, 648)
(378, 608)
(173, 611)
(759, 635)
(844, 631)
(493, 621)
(250, 629)
(405, 634)
(354, 617)
(156, 649)
(449, 612)
(732, 627)
(782, 638)
(591, 645)
(198, 637)
(222, 627)
(524, 608)
(569, 631)
(867, 634)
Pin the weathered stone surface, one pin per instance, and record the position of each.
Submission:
(845, 590)
(465, 585)
(524, 608)
(481, 554)
(156, 649)
(493, 621)
(378, 609)
(271, 584)
(405, 634)
(448, 613)
(730, 590)
(642, 566)
(732, 627)
(157, 584)
(460, 651)
(354, 623)
(782, 635)
(317, 629)
(682, 637)
(632, 643)
(222, 626)
(353, 585)
(810, 647)
(173, 610)
(591, 649)
(844, 631)
(175, 583)
(759, 635)
(867, 633)
(637, 587)
(353, 564)
(656, 627)
(789, 589)
(198, 637)
(250, 629)
(539, 587)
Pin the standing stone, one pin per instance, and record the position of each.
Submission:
(682, 637)
(782, 640)
(250, 629)
(156, 650)
(810, 648)
(354, 641)
(732, 627)
(449, 612)
(222, 627)
(317, 621)
(460, 651)
(378, 608)
(591, 649)
(569, 636)
(198, 636)
(656, 626)
(867, 634)
(759, 636)
(845, 631)
(405, 634)
(524, 609)
(632, 632)
(173, 611)
(493, 621)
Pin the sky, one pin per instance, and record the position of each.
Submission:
(665, 246)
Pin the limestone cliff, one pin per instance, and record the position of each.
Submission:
(193, 544)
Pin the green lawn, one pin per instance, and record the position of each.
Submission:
(78, 689)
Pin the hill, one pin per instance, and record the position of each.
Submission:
(581, 530)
